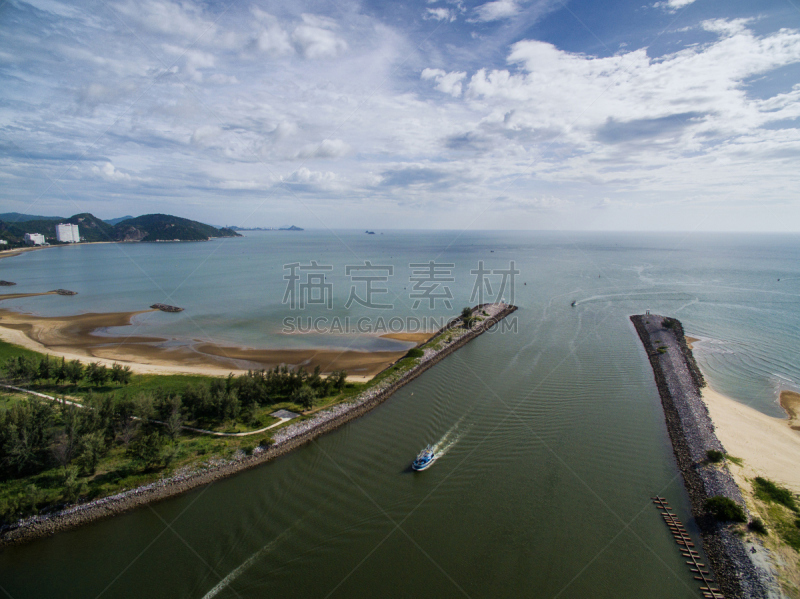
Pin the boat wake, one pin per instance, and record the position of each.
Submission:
(449, 439)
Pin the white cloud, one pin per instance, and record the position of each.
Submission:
(673, 5)
(577, 94)
(329, 148)
(726, 27)
(206, 135)
(304, 176)
(171, 18)
(109, 173)
(547, 135)
(271, 38)
(440, 14)
(448, 83)
(315, 38)
(238, 185)
(222, 79)
(549, 203)
(494, 11)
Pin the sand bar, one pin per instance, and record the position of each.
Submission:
(418, 338)
(790, 402)
(286, 439)
(76, 338)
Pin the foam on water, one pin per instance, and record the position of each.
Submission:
(449, 439)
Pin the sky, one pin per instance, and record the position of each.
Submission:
(434, 114)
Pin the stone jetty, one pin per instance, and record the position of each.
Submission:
(691, 431)
(285, 440)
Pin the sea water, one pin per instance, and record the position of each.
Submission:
(553, 428)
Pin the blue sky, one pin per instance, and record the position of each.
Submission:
(510, 114)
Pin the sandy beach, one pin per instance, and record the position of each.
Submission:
(286, 439)
(418, 338)
(76, 338)
(769, 446)
(18, 251)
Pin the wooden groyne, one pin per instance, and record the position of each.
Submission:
(287, 439)
(691, 432)
(684, 542)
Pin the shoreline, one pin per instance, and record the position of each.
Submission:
(285, 440)
(17, 251)
(769, 446)
(740, 571)
(74, 338)
(790, 402)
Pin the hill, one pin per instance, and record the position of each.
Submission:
(150, 227)
(91, 228)
(18, 217)
(164, 227)
(116, 221)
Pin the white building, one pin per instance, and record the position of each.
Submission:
(34, 239)
(67, 233)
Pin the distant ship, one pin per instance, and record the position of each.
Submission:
(425, 458)
(370, 232)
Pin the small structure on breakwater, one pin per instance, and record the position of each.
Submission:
(686, 546)
(166, 308)
(64, 292)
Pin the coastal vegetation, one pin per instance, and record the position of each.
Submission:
(778, 507)
(110, 429)
(150, 227)
(725, 509)
(90, 436)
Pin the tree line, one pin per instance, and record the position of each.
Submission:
(38, 435)
(22, 369)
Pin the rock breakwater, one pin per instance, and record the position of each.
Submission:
(691, 431)
(285, 440)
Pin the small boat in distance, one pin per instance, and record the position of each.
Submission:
(425, 458)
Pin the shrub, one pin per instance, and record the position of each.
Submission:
(247, 449)
(756, 525)
(725, 510)
(768, 491)
(715, 456)
(304, 396)
(415, 352)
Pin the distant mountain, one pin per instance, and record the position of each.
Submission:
(17, 217)
(115, 221)
(91, 228)
(164, 227)
(292, 228)
(150, 227)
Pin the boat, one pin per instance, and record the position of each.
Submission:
(425, 458)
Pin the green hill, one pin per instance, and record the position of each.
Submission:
(15, 217)
(91, 228)
(150, 227)
(164, 227)
(115, 221)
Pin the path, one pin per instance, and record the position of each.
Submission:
(281, 420)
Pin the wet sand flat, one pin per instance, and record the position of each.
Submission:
(75, 337)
